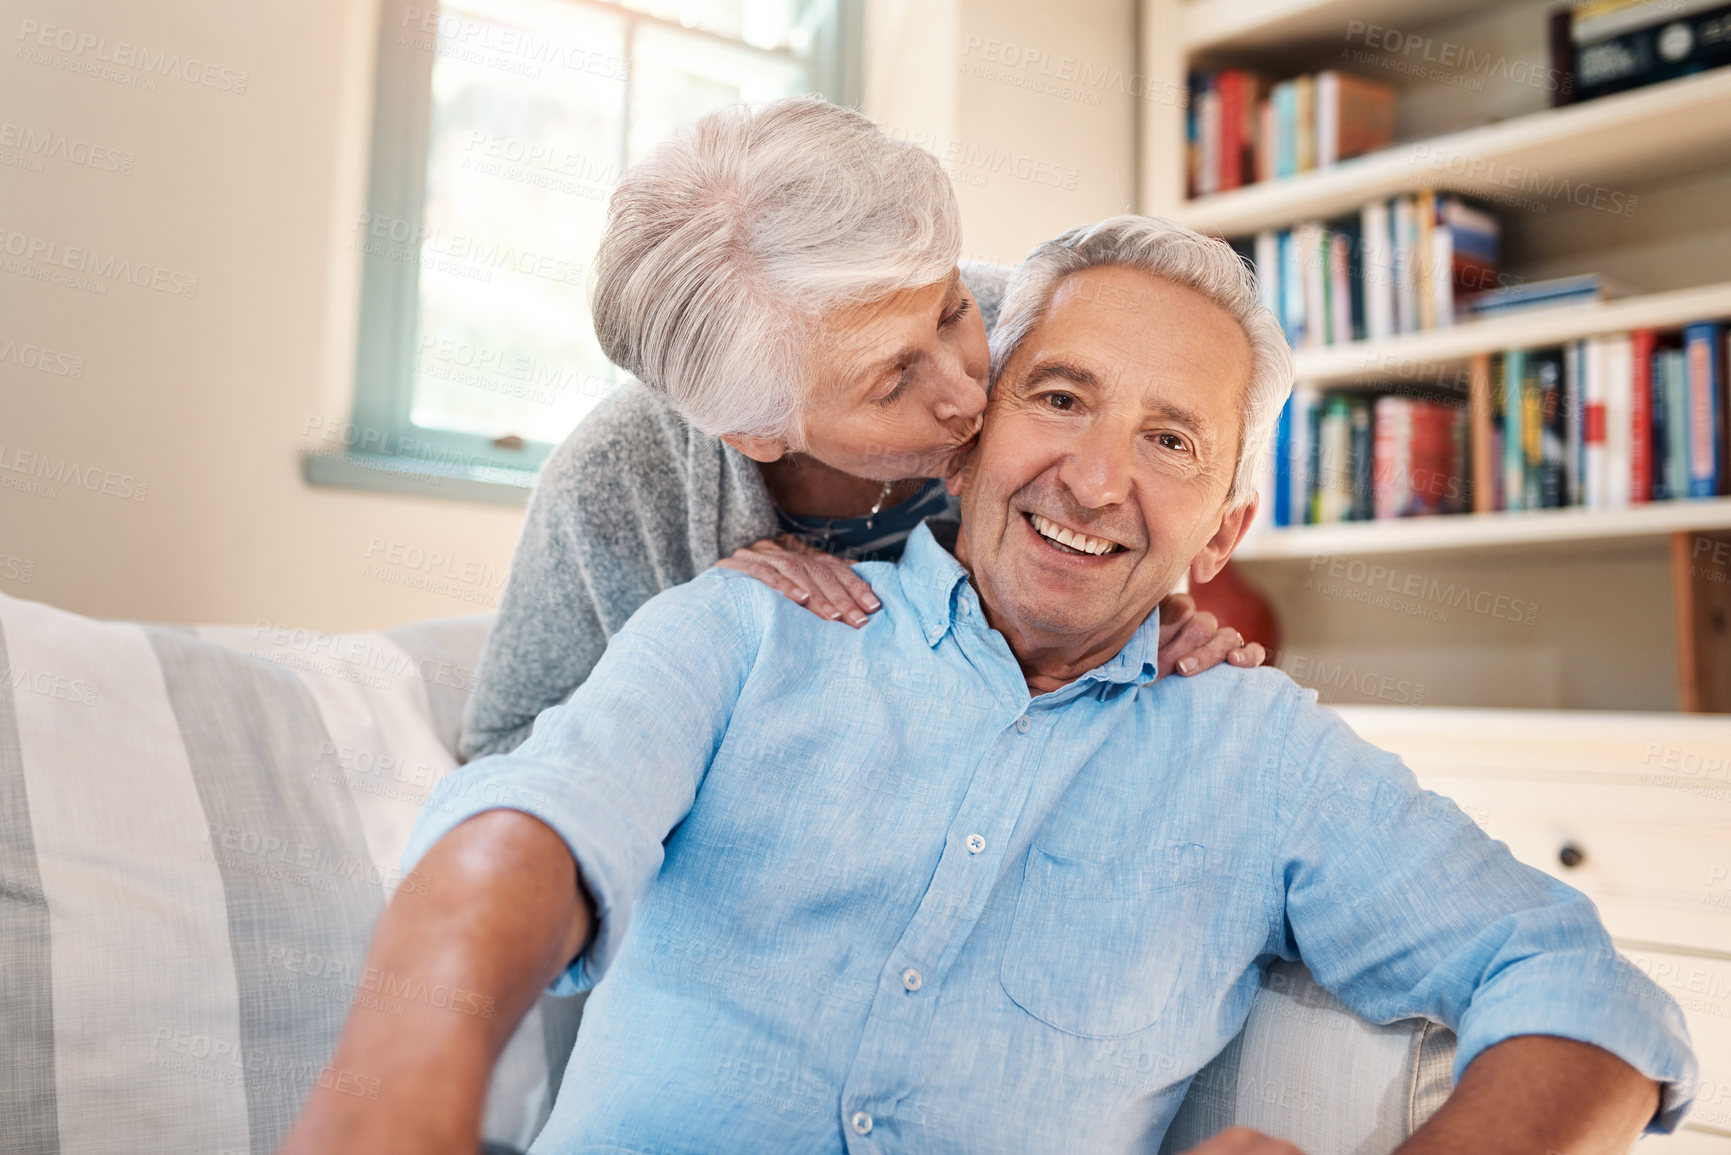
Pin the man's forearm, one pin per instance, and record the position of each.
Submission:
(1538, 1094)
(501, 913)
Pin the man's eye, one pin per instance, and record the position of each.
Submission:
(1172, 441)
(1064, 401)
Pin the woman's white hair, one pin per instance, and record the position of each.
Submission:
(1174, 253)
(726, 246)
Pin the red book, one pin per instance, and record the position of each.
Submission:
(1641, 418)
(1230, 85)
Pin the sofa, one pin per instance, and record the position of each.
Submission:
(199, 827)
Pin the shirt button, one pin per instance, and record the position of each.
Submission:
(911, 979)
(1022, 724)
(975, 844)
(861, 1123)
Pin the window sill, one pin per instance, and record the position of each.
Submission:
(407, 475)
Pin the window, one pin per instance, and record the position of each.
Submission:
(500, 129)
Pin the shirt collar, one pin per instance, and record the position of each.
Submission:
(935, 584)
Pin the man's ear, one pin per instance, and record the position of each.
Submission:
(764, 449)
(1234, 523)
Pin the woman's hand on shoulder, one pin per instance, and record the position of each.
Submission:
(819, 581)
(1192, 641)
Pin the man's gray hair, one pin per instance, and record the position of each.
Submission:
(1174, 253)
(727, 245)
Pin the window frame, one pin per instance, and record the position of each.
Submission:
(396, 193)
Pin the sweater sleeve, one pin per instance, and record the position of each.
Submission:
(605, 532)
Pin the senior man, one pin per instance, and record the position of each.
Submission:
(771, 851)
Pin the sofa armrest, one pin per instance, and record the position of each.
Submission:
(1307, 1069)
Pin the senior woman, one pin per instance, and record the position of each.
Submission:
(810, 363)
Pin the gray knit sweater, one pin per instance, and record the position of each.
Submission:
(633, 502)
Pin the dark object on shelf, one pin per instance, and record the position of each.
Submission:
(1631, 46)
(1571, 856)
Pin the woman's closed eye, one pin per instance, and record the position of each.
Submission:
(956, 314)
(902, 383)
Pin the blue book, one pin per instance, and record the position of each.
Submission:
(1660, 451)
(1285, 98)
(1701, 361)
(1283, 466)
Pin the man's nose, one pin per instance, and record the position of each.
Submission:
(1097, 471)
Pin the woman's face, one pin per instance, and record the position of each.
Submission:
(899, 385)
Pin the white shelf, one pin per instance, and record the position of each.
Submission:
(1612, 142)
(1243, 25)
(1487, 530)
(1380, 361)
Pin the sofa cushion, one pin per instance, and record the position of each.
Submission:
(1306, 1069)
(198, 831)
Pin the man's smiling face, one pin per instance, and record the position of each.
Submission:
(1117, 418)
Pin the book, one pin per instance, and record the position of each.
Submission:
(1514, 486)
(1705, 409)
(1281, 500)
(1284, 98)
(1552, 433)
(1377, 260)
(1304, 122)
(1424, 279)
(1481, 411)
(1334, 476)
(1266, 249)
(1292, 318)
(1641, 416)
(1659, 421)
(1676, 423)
(1594, 469)
(1635, 45)
(1360, 450)
(1353, 116)
(1405, 265)
(1538, 294)
(1617, 365)
(1574, 406)
(1208, 128)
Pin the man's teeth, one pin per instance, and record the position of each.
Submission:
(1080, 542)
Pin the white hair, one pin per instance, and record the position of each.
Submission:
(1174, 253)
(726, 246)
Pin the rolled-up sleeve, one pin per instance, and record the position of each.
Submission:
(614, 770)
(1403, 907)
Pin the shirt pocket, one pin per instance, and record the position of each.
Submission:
(1096, 948)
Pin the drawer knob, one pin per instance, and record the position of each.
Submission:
(1571, 855)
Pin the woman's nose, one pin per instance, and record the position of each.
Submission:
(963, 396)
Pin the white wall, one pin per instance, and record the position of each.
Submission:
(207, 397)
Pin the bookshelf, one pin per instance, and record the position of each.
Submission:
(1527, 528)
(1337, 365)
(1674, 126)
(1600, 573)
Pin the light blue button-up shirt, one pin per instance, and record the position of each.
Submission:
(858, 891)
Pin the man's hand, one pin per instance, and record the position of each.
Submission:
(1191, 642)
(1244, 1141)
(1539, 1093)
(503, 911)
